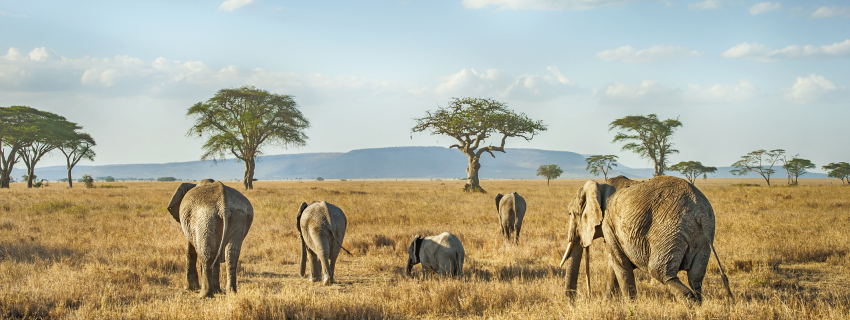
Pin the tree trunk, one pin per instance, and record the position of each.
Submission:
(70, 183)
(249, 174)
(547, 181)
(6, 167)
(472, 176)
(30, 175)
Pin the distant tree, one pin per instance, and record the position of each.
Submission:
(109, 179)
(549, 171)
(52, 131)
(796, 167)
(840, 170)
(166, 179)
(241, 121)
(649, 138)
(470, 121)
(63, 180)
(759, 161)
(88, 181)
(320, 179)
(692, 169)
(77, 148)
(600, 163)
(17, 131)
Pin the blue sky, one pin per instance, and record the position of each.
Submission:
(740, 75)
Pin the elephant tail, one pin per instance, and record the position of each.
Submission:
(722, 273)
(226, 233)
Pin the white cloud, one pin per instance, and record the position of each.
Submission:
(763, 7)
(705, 5)
(230, 5)
(10, 15)
(540, 4)
(832, 12)
(499, 84)
(14, 55)
(763, 53)
(629, 55)
(42, 54)
(652, 93)
(744, 90)
(813, 88)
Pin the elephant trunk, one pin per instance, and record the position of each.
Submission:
(573, 262)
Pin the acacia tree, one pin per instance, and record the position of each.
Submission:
(549, 171)
(692, 169)
(649, 138)
(17, 131)
(52, 131)
(840, 170)
(75, 149)
(600, 163)
(796, 167)
(470, 121)
(759, 161)
(241, 121)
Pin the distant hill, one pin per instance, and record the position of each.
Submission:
(382, 163)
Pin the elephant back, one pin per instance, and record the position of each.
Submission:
(320, 213)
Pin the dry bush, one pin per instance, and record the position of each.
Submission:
(116, 253)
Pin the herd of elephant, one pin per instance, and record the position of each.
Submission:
(661, 226)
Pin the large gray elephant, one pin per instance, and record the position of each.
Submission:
(442, 254)
(321, 226)
(511, 208)
(215, 219)
(660, 226)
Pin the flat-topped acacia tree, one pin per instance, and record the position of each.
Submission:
(470, 121)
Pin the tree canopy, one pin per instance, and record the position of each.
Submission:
(241, 121)
(797, 167)
(75, 149)
(600, 163)
(840, 170)
(692, 169)
(472, 120)
(759, 161)
(648, 137)
(52, 131)
(549, 171)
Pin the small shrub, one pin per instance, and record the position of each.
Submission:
(109, 179)
(166, 179)
(320, 179)
(87, 179)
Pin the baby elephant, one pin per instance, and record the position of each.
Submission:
(511, 209)
(322, 229)
(442, 254)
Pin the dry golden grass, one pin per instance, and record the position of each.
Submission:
(116, 253)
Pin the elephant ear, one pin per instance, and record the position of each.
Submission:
(417, 245)
(177, 199)
(498, 199)
(591, 215)
(298, 219)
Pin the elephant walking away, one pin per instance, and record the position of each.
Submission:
(511, 208)
(322, 229)
(442, 254)
(660, 226)
(215, 219)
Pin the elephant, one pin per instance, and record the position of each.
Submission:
(215, 220)
(511, 208)
(321, 227)
(660, 226)
(442, 254)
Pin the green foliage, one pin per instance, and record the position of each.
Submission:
(88, 181)
(692, 169)
(41, 184)
(600, 163)
(759, 161)
(549, 171)
(320, 179)
(241, 121)
(109, 179)
(166, 179)
(63, 180)
(839, 170)
(77, 148)
(797, 167)
(648, 137)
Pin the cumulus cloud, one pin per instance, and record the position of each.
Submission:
(763, 53)
(813, 88)
(630, 55)
(497, 83)
(705, 5)
(652, 93)
(832, 12)
(230, 5)
(763, 7)
(540, 4)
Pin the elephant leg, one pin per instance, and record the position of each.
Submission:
(623, 270)
(334, 255)
(209, 277)
(232, 257)
(696, 273)
(611, 283)
(680, 290)
(516, 237)
(324, 256)
(315, 266)
(192, 283)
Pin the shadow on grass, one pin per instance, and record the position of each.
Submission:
(26, 251)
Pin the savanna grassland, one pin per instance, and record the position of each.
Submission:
(116, 253)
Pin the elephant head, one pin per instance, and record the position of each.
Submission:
(413, 253)
(586, 212)
(177, 199)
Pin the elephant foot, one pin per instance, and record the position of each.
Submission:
(328, 281)
(313, 279)
(571, 294)
(209, 293)
(192, 287)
